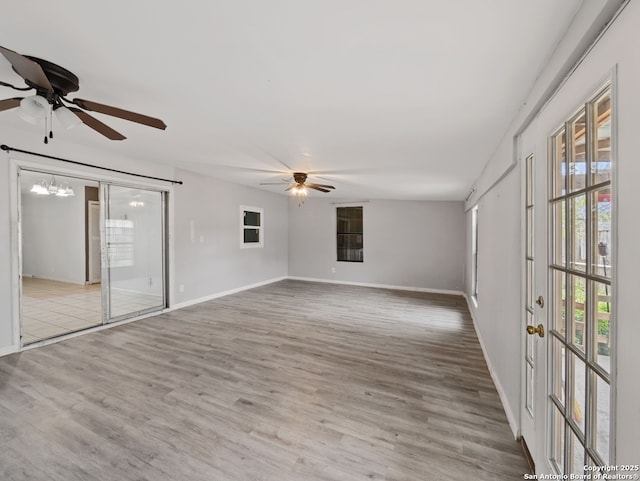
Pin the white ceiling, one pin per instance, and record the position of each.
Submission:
(388, 99)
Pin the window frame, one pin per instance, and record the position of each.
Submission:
(260, 228)
(339, 233)
(474, 253)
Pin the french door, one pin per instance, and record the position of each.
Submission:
(568, 302)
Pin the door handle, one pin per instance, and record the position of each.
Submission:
(531, 330)
(540, 301)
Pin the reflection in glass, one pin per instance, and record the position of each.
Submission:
(601, 232)
(577, 309)
(577, 459)
(558, 352)
(557, 440)
(578, 391)
(601, 164)
(558, 253)
(601, 329)
(559, 164)
(578, 158)
(577, 233)
(135, 246)
(602, 418)
(559, 301)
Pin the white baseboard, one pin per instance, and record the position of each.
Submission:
(210, 297)
(8, 350)
(378, 286)
(513, 420)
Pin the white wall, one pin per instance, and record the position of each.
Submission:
(618, 47)
(208, 257)
(406, 243)
(53, 234)
(6, 329)
(498, 311)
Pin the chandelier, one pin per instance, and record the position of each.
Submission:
(52, 188)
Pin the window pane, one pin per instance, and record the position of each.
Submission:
(578, 158)
(559, 299)
(578, 391)
(560, 167)
(601, 228)
(558, 353)
(602, 418)
(557, 441)
(559, 256)
(577, 233)
(349, 234)
(577, 457)
(251, 235)
(601, 329)
(577, 309)
(251, 218)
(601, 164)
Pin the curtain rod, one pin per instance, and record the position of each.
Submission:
(12, 149)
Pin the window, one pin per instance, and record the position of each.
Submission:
(349, 234)
(120, 235)
(251, 227)
(474, 252)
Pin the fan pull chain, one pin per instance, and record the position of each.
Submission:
(46, 140)
(51, 122)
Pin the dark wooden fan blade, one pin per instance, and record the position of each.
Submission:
(120, 113)
(314, 186)
(96, 125)
(10, 103)
(320, 185)
(27, 69)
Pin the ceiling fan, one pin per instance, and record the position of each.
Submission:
(52, 84)
(299, 185)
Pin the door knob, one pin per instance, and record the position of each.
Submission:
(540, 301)
(536, 330)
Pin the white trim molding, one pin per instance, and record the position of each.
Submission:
(378, 286)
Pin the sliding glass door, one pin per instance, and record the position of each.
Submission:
(134, 257)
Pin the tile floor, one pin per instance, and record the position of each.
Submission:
(54, 308)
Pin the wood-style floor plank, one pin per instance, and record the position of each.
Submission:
(290, 381)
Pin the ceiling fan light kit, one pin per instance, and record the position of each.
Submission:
(52, 84)
(300, 187)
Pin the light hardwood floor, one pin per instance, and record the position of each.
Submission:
(291, 381)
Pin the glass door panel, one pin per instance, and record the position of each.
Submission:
(134, 236)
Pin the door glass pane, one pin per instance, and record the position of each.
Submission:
(602, 418)
(601, 330)
(135, 251)
(559, 234)
(577, 233)
(577, 455)
(557, 439)
(578, 391)
(577, 310)
(601, 229)
(558, 353)
(578, 158)
(559, 301)
(559, 164)
(601, 164)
